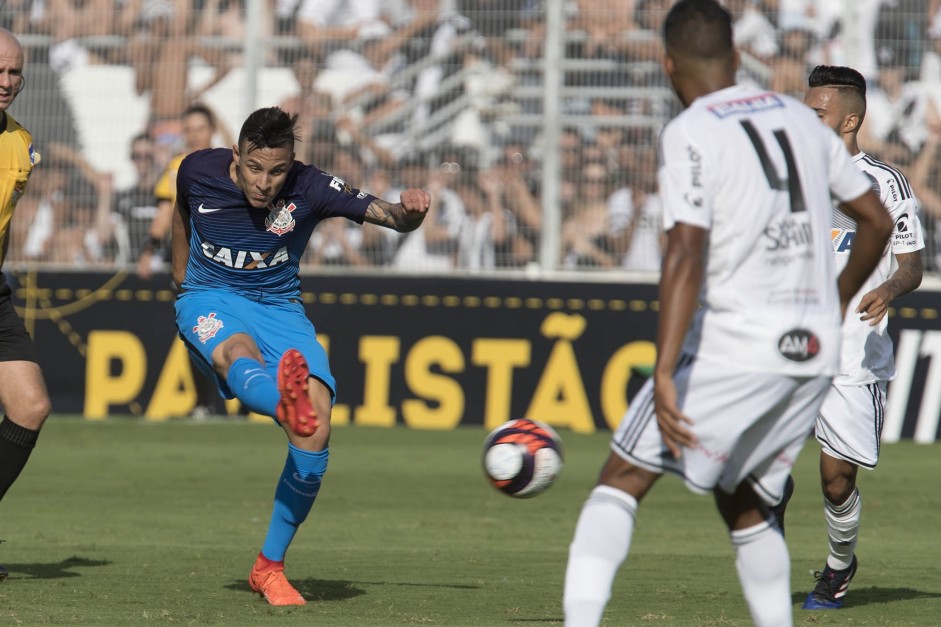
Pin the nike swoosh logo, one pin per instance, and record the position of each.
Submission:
(203, 209)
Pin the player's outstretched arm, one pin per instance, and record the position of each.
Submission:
(680, 282)
(403, 216)
(180, 242)
(874, 305)
(873, 227)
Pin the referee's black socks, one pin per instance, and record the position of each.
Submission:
(16, 443)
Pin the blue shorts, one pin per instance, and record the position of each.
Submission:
(206, 318)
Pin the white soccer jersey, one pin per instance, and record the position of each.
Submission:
(867, 350)
(757, 169)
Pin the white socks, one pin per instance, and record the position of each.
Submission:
(764, 570)
(602, 539)
(843, 530)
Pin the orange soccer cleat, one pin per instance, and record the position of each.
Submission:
(295, 407)
(268, 580)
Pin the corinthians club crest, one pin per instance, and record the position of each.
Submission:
(280, 220)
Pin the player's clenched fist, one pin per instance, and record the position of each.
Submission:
(416, 200)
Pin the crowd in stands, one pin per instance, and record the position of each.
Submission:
(445, 95)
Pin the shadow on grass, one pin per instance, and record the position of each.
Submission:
(874, 594)
(335, 590)
(313, 589)
(59, 570)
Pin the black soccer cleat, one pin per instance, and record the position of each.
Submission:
(778, 510)
(831, 588)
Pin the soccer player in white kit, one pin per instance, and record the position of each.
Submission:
(849, 425)
(748, 280)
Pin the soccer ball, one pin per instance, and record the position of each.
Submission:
(522, 457)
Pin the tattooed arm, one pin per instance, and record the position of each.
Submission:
(403, 216)
(906, 278)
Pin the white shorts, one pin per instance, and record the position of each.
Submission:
(751, 426)
(849, 425)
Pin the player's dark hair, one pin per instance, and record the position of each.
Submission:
(840, 77)
(198, 108)
(845, 80)
(699, 29)
(268, 128)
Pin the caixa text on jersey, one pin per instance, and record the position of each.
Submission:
(244, 259)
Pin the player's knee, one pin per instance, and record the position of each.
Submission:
(619, 473)
(318, 441)
(742, 508)
(31, 412)
(233, 349)
(838, 489)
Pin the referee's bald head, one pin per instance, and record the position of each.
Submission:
(699, 30)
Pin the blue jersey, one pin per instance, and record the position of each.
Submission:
(256, 252)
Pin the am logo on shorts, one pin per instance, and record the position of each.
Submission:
(207, 327)
(799, 345)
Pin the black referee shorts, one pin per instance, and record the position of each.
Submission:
(15, 342)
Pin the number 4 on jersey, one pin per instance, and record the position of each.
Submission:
(791, 184)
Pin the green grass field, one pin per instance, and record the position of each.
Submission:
(124, 522)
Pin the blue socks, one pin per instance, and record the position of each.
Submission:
(293, 498)
(252, 385)
(303, 470)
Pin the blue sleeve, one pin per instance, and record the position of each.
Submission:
(330, 196)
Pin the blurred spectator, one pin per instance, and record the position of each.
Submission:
(71, 220)
(70, 22)
(434, 246)
(20, 16)
(325, 24)
(636, 222)
(372, 151)
(605, 23)
(200, 126)
(313, 108)
(364, 81)
(586, 233)
(790, 66)
(931, 62)
(349, 73)
(335, 244)
(570, 149)
(515, 175)
(753, 31)
(161, 52)
(895, 111)
(339, 242)
(925, 169)
(437, 40)
(225, 20)
(136, 207)
(492, 19)
(644, 42)
(285, 17)
(847, 37)
(40, 209)
(379, 244)
(484, 230)
(903, 25)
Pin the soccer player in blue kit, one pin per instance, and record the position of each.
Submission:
(242, 220)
